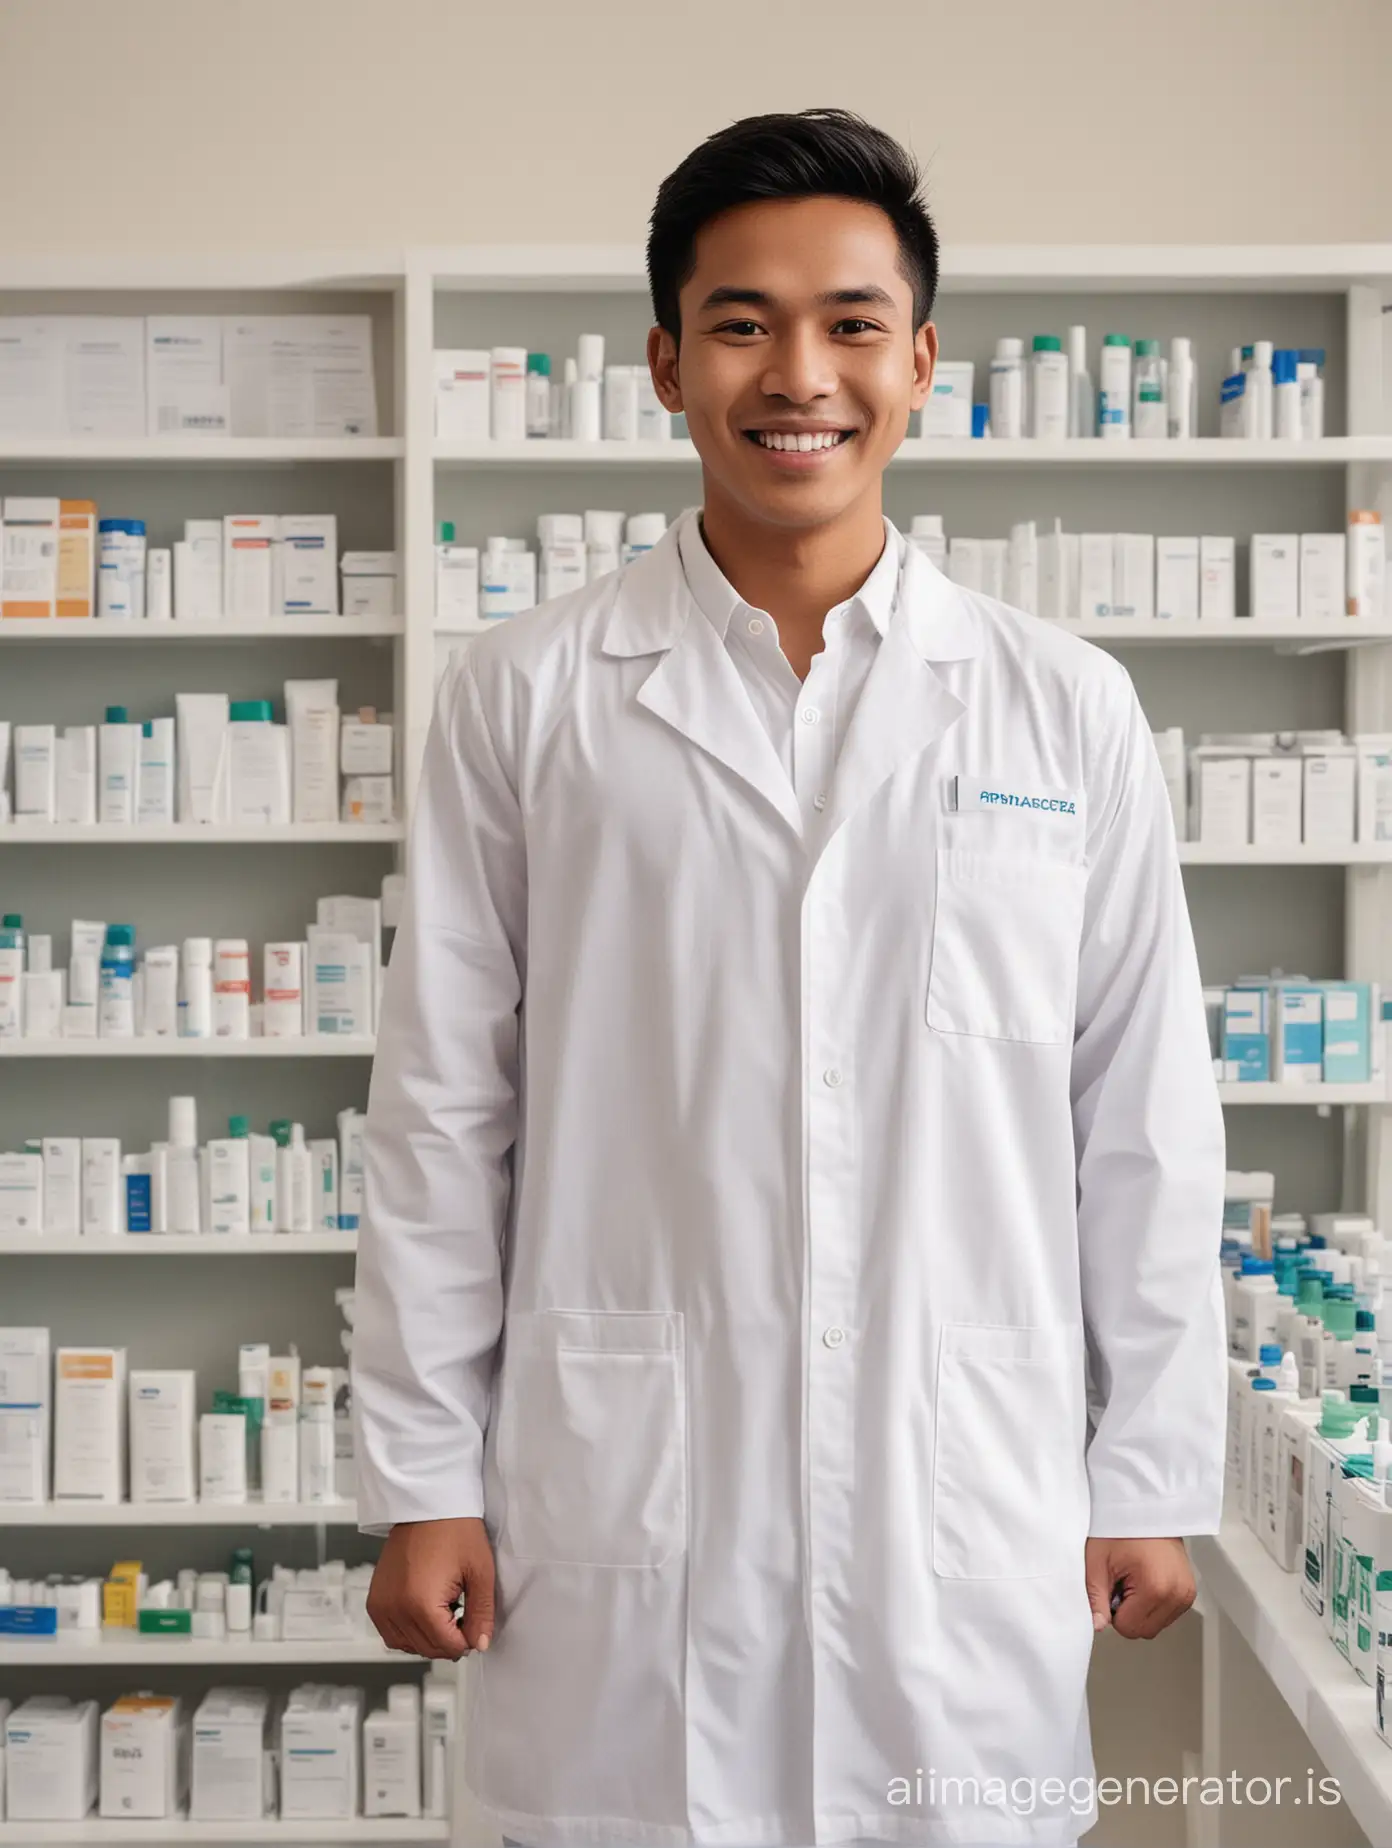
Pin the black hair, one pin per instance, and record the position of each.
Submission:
(797, 156)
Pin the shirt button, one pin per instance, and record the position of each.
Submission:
(834, 1337)
(756, 627)
(810, 715)
(819, 802)
(831, 1077)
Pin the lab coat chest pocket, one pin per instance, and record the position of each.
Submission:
(592, 1436)
(1004, 960)
(1009, 1479)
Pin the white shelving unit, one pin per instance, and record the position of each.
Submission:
(181, 1245)
(310, 1046)
(125, 1649)
(1330, 911)
(188, 834)
(53, 1515)
(138, 1834)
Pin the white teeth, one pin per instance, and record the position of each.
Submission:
(805, 440)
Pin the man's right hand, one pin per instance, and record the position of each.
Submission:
(425, 1567)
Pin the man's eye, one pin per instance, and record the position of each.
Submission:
(738, 327)
(855, 326)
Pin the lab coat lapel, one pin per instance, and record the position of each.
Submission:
(905, 704)
(695, 687)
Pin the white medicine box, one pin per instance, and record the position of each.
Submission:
(1322, 573)
(1221, 788)
(1330, 785)
(1217, 578)
(462, 395)
(143, 1758)
(1275, 577)
(365, 747)
(369, 584)
(1374, 788)
(1177, 579)
(1277, 797)
(51, 1760)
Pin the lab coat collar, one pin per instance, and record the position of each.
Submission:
(653, 603)
(695, 686)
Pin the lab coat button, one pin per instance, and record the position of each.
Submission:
(810, 715)
(834, 1337)
(819, 802)
(831, 1077)
(756, 627)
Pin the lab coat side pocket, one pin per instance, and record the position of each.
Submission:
(592, 1437)
(1009, 1473)
(1006, 931)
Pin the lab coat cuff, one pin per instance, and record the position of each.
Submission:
(374, 1518)
(1157, 1518)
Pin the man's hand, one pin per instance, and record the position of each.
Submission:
(1154, 1578)
(424, 1569)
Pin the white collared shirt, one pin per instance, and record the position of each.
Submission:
(806, 720)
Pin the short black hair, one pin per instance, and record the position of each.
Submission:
(797, 156)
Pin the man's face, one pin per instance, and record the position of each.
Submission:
(796, 324)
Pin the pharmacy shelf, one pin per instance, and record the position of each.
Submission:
(309, 1046)
(1292, 637)
(177, 833)
(181, 1245)
(199, 450)
(179, 1514)
(1204, 853)
(95, 1829)
(1307, 1094)
(127, 1648)
(1334, 1707)
(948, 452)
(228, 629)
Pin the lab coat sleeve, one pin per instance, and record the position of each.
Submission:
(441, 1122)
(1149, 1141)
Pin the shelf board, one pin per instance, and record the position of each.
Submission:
(199, 451)
(127, 1648)
(308, 1046)
(1307, 1094)
(1285, 637)
(220, 834)
(180, 1245)
(93, 1829)
(178, 1514)
(949, 452)
(1331, 1704)
(67, 629)
(1204, 853)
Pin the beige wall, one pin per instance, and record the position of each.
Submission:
(329, 122)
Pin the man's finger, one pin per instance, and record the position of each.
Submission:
(1099, 1590)
(479, 1612)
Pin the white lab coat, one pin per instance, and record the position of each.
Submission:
(800, 1190)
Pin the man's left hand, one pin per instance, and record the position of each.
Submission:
(1154, 1579)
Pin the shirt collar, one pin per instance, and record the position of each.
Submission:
(718, 600)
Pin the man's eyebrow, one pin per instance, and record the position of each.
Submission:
(867, 294)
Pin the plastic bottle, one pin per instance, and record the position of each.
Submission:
(538, 394)
(1082, 406)
(1311, 381)
(1285, 392)
(116, 1007)
(196, 999)
(11, 976)
(1148, 397)
(1180, 396)
(1260, 387)
(184, 1192)
(121, 569)
(1048, 388)
(1007, 388)
(1114, 388)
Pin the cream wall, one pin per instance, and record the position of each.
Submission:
(379, 122)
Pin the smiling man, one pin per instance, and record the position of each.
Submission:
(788, 1295)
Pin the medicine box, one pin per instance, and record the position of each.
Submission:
(89, 1424)
(230, 1737)
(25, 1400)
(143, 1758)
(1330, 788)
(369, 584)
(1350, 1009)
(1177, 579)
(1297, 1033)
(1221, 790)
(1247, 1035)
(319, 1735)
(1217, 578)
(1277, 790)
(1096, 556)
(51, 1760)
(1322, 573)
(1374, 788)
(462, 394)
(1133, 576)
(1275, 577)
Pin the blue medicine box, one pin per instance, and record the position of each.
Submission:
(1247, 1035)
(28, 1620)
(1297, 1032)
(1348, 1032)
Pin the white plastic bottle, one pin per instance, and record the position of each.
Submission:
(196, 1001)
(1114, 388)
(1049, 395)
(1311, 384)
(1007, 388)
(1285, 391)
(1148, 391)
(229, 1179)
(1180, 397)
(1260, 387)
(538, 394)
(184, 1192)
(232, 989)
(1082, 406)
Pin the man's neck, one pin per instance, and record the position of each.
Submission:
(797, 574)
